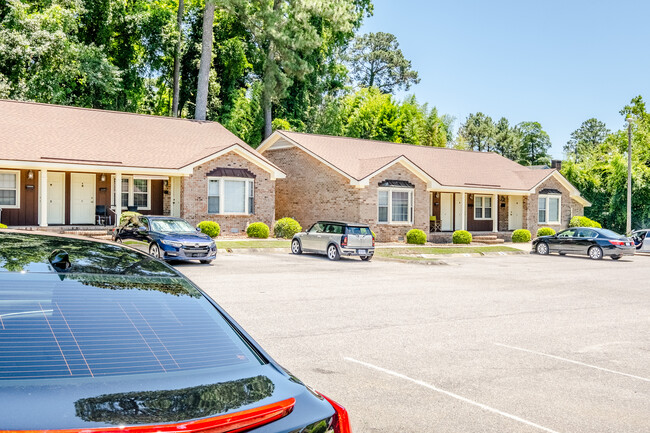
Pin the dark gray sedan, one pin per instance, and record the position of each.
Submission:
(593, 242)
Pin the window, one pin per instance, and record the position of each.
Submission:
(482, 207)
(231, 196)
(395, 205)
(134, 192)
(549, 209)
(9, 189)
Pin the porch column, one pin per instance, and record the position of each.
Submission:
(495, 213)
(42, 192)
(463, 213)
(117, 192)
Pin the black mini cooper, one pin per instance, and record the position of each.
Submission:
(98, 337)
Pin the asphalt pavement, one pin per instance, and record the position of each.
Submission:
(520, 343)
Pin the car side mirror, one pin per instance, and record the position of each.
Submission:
(142, 229)
(198, 229)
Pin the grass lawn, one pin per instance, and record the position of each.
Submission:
(222, 245)
(410, 253)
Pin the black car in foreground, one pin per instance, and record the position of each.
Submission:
(98, 337)
(593, 242)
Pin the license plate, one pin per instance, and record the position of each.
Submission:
(362, 251)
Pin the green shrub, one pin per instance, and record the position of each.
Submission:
(210, 228)
(286, 228)
(545, 231)
(2, 226)
(461, 237)
(520, 236)
(258, 230)
(582, 221)
(126, 216)
(416, 236)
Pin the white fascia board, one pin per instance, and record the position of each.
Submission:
(87, 168)
(486, 191)
(574, 193)
(270, 141)
(422, 175)
(237, 148)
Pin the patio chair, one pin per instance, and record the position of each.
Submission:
(132, 208)
(101, 215)
(434, 224)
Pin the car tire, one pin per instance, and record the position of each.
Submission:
(205, 262)
(296, 248)
(562, 254)
(154, 250)
(542, 248)
(333, 252)
(616, 257)
(595, 253)
(118, 241)
(366, 258)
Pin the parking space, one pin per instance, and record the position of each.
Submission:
(492, 344)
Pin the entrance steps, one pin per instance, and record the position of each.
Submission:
(487, 239)
(95, 234)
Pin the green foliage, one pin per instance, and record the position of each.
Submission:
(281, 124)
(591, 134)
(581, 221)
(545, 231)
(461, 237)
(478, 132)
(2, 226)
(535, 144)
(416, 236)
(377, 61)
(125, 217)
(521, 235)
(258, 230)
(286, 228)
(210, 228)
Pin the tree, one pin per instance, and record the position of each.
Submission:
(376, 60)
(535, 144)
(478, 132)
(205, 65)
(507, 141)
(177, 58)
(590, 134)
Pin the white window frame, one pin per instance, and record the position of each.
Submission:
(115, 189)
(411, 204)
(483, 207)
(547, 198)
(249, 188)
(17, 189)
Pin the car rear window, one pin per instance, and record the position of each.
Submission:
(359, 231)
(80, 325)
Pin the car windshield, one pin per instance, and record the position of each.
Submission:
(171, 226)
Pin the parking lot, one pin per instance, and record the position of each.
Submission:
(520, 343)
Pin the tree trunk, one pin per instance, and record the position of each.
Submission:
(206, 62)
(177, 59)
(267, 92)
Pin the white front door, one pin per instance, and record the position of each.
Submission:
(446, 211)
(458, 212)
(55, 198)
(515, 212)
(82, 198)
(176, 196)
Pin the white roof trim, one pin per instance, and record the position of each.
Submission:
(87, 168)
(238, 149)
(574, 193)
(409, 165)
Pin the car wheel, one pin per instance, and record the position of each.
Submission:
(333, 252)
(595, 253)
(118, 240)
(206, 262)
(562, 254)
(154, 250)
(542, 248)
(616, 257)
(366, 258)
(295, 247)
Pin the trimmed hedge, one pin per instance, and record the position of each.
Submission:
(258, 230)
(545, 231)
(286, 228)
(582, 221)
(416, 236)
(520, 236)
(126, 216)
(2, 226)
(461, 237)
(210, 228)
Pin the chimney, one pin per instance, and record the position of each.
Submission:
(556, 164)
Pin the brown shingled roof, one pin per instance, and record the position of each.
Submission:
(449, 167)
(54, 133)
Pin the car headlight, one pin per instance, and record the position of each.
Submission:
(172, 243)
(213, 245)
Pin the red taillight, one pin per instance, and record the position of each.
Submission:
(619, 243)
(229, 423)
(373, 240)
(344, 240)
(341, 423)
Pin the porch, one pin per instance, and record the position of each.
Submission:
(482, 211)
(488, 238)
(65, 199)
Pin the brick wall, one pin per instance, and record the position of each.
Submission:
(194, 196)
(568, 207)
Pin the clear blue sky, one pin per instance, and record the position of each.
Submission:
(554, 62)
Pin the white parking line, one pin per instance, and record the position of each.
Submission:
(451, 394)
(574, 362)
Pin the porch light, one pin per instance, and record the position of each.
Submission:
(30, 175)
(102, 178)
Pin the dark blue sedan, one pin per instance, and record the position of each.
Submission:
(97, 337)
(167, 238)
(593, 242)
